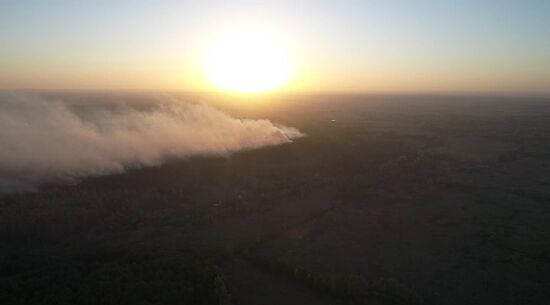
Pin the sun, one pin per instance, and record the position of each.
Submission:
(248, 62)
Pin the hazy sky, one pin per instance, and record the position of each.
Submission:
(378, 45)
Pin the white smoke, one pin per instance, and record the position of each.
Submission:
(51, 141)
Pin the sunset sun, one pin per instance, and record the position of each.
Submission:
(247, 62)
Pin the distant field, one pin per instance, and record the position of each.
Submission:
(389, 199)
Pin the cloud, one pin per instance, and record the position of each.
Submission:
(45, 140)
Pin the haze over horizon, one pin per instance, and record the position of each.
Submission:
(350, 46)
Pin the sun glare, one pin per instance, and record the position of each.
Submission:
(247, 62)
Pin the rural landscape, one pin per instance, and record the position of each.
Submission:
(388, 199)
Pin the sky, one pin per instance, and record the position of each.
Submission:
(359, 46)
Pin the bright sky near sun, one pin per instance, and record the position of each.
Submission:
(250, 46)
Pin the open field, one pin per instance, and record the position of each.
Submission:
(389, 199)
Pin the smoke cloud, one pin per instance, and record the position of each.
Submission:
(44, 141)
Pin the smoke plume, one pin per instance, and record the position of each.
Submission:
(45, 140)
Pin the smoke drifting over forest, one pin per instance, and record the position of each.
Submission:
(46, 140)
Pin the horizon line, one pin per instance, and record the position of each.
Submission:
(532, 94)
